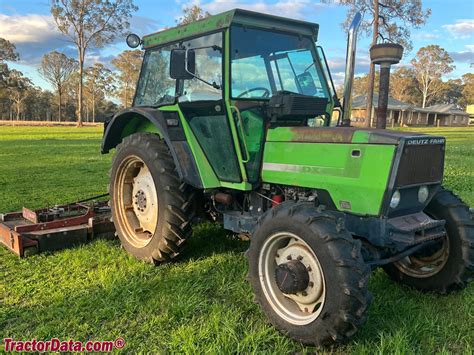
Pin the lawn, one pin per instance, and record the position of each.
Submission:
(201, 302)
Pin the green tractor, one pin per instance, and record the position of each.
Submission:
(231, 121)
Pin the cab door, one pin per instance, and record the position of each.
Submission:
(203, 106)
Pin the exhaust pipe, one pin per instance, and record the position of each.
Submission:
(350, 63)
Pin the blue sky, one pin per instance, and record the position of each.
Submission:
(28, 24)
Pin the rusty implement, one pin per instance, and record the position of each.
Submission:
(35, 231)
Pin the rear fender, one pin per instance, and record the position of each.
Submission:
(166, 124)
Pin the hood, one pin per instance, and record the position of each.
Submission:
(348, 135)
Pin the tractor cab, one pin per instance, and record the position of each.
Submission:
(234, 75)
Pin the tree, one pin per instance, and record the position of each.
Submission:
(17, 90)
(390, 20)
(403, 86)
(359, 86)
(99, 83)
(467, 90)
(430, 64)
(57, 68)
(90, 23)
(7, 53)
(451, 93)
(192, 14)
(128, 64)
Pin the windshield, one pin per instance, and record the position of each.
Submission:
(264, 62)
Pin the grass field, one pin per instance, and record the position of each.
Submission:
(200, 303)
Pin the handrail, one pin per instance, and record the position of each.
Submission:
(242, 132)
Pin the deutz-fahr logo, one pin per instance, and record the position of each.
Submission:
(424, 141)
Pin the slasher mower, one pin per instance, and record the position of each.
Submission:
(231, 120)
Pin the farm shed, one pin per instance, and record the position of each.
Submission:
(446, 115)
(403, 114)
(397, 111)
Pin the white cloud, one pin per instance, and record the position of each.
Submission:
(33, 35)
(286, 8)
(470, 47)
(463, 28)
(426, 35)
(31, 28)
(466, 56)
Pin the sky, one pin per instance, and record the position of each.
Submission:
(29, 25)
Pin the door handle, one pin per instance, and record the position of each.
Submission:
(242, 133)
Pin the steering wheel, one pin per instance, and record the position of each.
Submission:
(265, 94)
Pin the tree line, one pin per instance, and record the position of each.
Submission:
(421, 83)
(20, 99)
(85, 93)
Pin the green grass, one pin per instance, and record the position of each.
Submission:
(200, 303)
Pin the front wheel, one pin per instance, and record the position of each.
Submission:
(449, 264)
(308, 275)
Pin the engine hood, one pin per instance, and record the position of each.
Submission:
(349, 135)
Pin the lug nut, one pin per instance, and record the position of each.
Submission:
(304, 293)
(311, 284)
(289, 257)
(300, 257)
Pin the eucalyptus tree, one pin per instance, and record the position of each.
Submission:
(88, 24)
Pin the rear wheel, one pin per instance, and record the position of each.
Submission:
(308, 274)
(449, 264)
(151, 208)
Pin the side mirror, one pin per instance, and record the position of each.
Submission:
(182, 64)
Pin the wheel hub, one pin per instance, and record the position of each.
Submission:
(307, 298)
(292, 277)
(140, 200)
(145, 200)
(136, 201)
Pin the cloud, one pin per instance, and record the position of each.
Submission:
(470, 47)
(461, 29)
(144, 25)
(286, 8)
(31, 28)
(33, 35)
(426, 35)
(464, 56)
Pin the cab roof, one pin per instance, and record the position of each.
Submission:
(225, 20)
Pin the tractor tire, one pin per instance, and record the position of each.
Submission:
(151, 207)
(327, 305)
(449, 266)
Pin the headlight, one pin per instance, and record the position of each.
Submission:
(423, 194)
(395, 201)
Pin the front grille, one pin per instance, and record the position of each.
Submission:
(421, 164)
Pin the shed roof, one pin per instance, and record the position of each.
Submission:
(359, 102)
(224, 20)
(447, 109)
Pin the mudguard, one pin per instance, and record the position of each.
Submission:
(166, 124)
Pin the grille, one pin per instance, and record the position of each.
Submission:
(421, 164)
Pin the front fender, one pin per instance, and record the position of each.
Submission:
(166, 124)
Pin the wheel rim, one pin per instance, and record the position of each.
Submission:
(136, 201)
(422, 266)
(305, 306)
